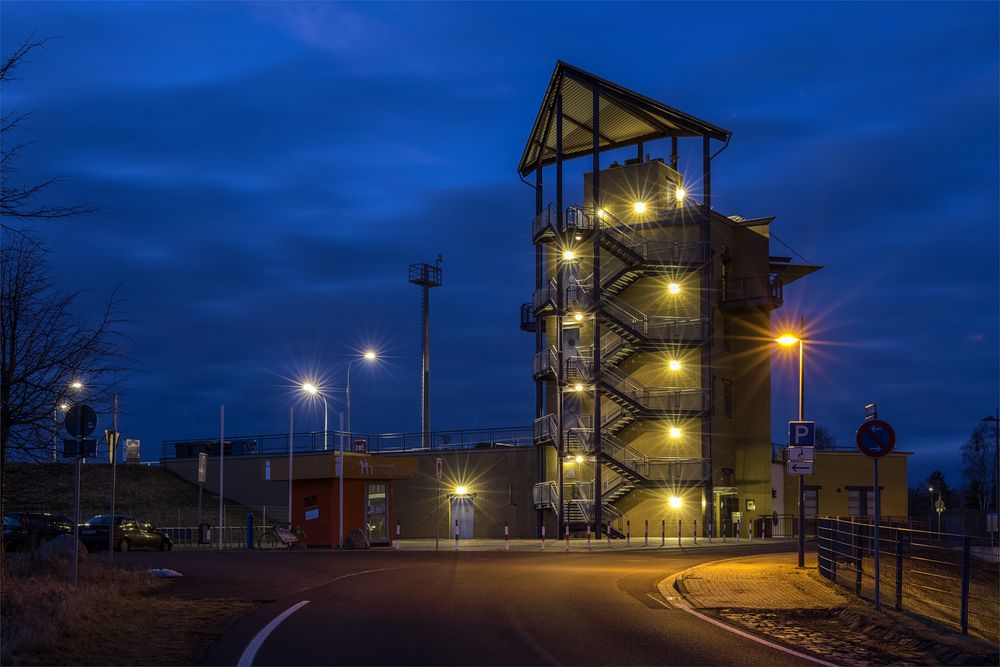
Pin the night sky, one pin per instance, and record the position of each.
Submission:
(267, 172)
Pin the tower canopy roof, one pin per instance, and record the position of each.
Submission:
(626, 118)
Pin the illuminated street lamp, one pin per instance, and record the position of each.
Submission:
(313, 390)
(369, 356)
(788, 340)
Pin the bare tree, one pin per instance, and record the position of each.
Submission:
(19, 199)
(44, 347)
(979, 467)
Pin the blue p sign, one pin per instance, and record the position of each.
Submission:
(802, 434)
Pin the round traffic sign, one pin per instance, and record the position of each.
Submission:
(876, 438)
(81, 420)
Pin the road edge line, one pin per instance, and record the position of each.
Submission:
(679, 602)
(250, 652)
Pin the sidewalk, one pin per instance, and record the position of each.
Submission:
(770, 597)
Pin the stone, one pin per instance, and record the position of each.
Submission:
(60, 549)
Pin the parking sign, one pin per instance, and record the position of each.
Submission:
(802, 434)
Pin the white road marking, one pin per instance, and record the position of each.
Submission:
(739, 632)
(250, 652)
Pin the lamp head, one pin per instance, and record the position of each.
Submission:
(787, 340)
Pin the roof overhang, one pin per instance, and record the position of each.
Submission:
(790, 272)
(626, 118)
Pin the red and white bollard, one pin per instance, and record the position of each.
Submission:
(397, 536)
(456, 534)
(645, 538)
(738, 532)
(506, 536)
(628, 533)
(695, 532)
(566, 534)
(679, 527)
(543, 536)
(663, 533)
(609, 535)
(588, 534)
(711, 528)
(750, 531)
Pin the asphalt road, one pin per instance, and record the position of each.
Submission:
(466, 608)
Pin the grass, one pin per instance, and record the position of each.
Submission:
(154, 494)
(113, 617)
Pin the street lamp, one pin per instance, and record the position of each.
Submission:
(788, 340)
(313, 390)
(369, 355)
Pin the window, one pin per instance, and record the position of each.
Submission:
(727, 398)
(860, 501)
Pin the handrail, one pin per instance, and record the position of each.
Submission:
(542, 220)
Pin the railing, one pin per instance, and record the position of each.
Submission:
(546, 360)
(673, 329)
(545, 219)
(544, 428)
(662, 400)
(186, 537)
(766, 290)
(545, 494)
(319, 441)
(949, 578)
(528, 320)
(545, 296)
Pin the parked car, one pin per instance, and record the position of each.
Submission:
(130, 533)
(42, 527)
(15, 532)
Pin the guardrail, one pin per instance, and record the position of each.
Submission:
(378, 443)
(952, 579)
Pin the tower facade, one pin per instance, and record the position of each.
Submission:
(651, 315)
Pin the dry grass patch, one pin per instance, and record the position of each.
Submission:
(112, 618)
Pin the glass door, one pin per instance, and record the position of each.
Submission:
(377, 512)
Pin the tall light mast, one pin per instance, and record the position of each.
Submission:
(426, 276)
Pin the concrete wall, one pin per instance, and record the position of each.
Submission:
(499, 480)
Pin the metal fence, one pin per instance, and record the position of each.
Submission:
(375, 443)
(952, 579)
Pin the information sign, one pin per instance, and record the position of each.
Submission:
(802, 434)
(799, 467)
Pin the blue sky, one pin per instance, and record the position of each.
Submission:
(266, 173)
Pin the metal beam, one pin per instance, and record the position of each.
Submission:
(596, 198)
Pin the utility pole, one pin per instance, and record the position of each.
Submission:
(426, 276)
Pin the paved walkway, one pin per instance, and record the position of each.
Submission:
(757, 582)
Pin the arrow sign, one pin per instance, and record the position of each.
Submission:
(799, 467)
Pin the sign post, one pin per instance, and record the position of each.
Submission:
(439, 473)
(202, 477)
(81, 420)
(802, 438)
(875, 438)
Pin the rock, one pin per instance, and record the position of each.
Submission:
(60, 549)
(164, 572)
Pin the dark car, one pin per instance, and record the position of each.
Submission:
(130, 533)
(15, 532)
(42, 527)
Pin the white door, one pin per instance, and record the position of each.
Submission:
(462, 513)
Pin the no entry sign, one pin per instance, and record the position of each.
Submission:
(876, 438)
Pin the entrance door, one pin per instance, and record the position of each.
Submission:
(377, 512)
(462, 512)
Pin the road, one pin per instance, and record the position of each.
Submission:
(466, 608)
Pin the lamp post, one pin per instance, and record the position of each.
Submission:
(995, 420)
(369, 355)
(788, 340)
(313, 390)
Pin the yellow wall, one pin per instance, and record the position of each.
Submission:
(835, 471)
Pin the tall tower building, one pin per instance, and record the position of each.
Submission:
(651, 316)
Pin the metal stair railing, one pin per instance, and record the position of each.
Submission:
(547, 218)
(544, 296)
(679, 470)
(545, 428)
(544, 360)
(545, 495)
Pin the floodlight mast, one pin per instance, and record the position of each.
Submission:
(426, 276)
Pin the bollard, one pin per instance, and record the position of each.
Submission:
(609, 534)
(679, 522)
(397, 535)
(663, 533)
(588, 534)
(506, 535)
(543, 536)
(710, 528)
(250, 530)
(695, 531)
(628, 533)
(750, 531)
(566, 534)
(645, 537)
(456, 534)
(737, 530)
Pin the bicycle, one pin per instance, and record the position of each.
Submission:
(272, 536)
